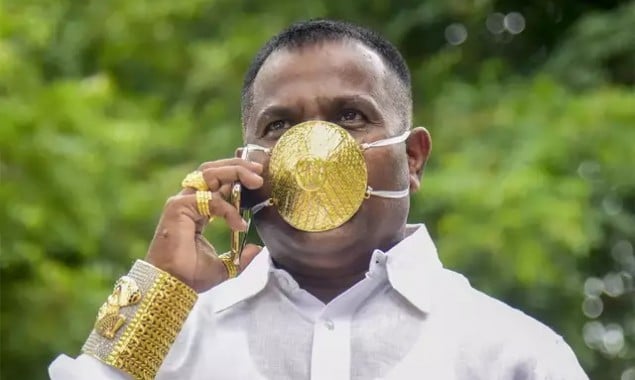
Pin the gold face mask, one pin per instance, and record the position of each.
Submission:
(318, 175)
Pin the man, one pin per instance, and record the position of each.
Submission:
(344, 288)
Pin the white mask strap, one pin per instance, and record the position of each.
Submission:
(256, 148)
(389, 141)
(261, 205)
(394, 194)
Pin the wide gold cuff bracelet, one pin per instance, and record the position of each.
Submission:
(139, 321)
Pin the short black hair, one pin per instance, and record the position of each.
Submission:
(315, 31)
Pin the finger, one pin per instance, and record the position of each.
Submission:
(221, 208)
(248, 254)
(251, 166)
(188, 205)
(216, 177)
(225, 190)
(254, 166)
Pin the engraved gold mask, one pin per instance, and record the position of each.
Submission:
(318, 175)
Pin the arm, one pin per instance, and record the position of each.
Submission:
(140, 320)
(548, 358)
(558, 362)
(134, 329)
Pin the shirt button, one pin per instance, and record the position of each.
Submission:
(329, 324)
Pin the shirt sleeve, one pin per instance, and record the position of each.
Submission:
(84, 367)
(558, 362)
(549, 358)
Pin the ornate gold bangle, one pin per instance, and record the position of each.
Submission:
(140, 320)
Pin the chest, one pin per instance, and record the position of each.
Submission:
(386, 338)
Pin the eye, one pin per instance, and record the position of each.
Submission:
(277, 126)
(352, 117)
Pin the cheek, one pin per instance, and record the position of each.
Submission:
(387, 168)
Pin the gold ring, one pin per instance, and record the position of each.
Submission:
(195, 181)
(232, 269)
(202, 203)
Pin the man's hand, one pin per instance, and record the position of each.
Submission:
(179, 248)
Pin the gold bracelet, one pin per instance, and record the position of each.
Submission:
(228, 261)
(140, 320)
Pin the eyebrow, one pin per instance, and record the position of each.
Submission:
(367, 102)
(275, 111)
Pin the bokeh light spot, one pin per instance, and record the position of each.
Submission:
(592, 307)
(593, 333)
(613, 339)
(629, 374)
(593, 287)
(613, 284)
(514, 22)
(455, 33)
(494, 23)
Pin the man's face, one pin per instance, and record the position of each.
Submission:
(346, 83)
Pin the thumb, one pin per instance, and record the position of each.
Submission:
(249, 252)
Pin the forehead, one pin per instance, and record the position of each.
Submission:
(318, 71)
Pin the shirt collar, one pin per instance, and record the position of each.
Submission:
(249, 283)
(412, 267)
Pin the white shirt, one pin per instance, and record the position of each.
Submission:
(410, 318)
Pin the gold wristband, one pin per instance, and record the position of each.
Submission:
(140, 320)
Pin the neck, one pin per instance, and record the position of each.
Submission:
(328, 275)
(325, 283)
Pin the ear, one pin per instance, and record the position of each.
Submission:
(418, 146)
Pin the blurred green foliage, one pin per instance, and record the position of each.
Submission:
(530, 191)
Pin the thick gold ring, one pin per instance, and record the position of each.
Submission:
(195, 181)
(202, 203)
(232, 269)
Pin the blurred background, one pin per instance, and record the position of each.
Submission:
(530, 191)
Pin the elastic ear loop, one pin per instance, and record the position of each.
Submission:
(394, 194)
(389, 141)
(259, 206)
(254, 148)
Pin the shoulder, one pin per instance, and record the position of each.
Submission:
(509, 342)
(489, 313)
